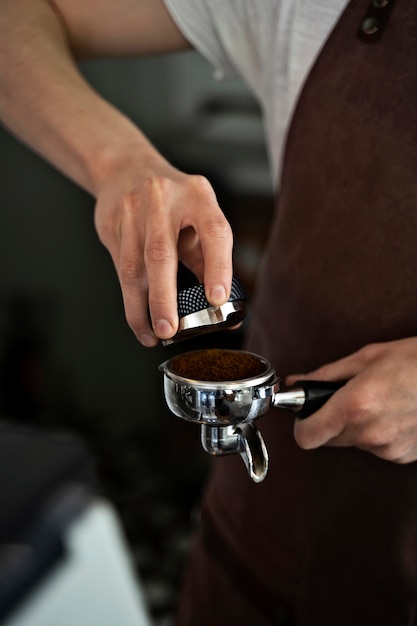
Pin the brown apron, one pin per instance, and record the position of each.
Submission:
(330, 537)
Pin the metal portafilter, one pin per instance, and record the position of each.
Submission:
(227, 408)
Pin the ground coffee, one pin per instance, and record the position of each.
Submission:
(217, 365)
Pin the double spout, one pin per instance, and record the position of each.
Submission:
(244, 439)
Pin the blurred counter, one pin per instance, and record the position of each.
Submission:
(63, 557)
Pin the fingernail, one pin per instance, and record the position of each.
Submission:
(149, 341)
(163, 329)
(217, 294)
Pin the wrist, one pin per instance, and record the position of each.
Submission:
(123, 154)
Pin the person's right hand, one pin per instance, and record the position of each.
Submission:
(148, 214)
(150, 218)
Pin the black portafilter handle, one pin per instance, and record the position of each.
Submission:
(317, 393)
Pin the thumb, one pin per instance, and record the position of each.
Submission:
(342, 369)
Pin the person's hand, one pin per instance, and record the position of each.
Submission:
(148, 214)
(377, 408)
(151, 217)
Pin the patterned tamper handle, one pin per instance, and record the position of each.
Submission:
(193, 299)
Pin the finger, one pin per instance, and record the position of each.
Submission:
(133, 283)
(326, 425)
(342, 369)
(190, 252)
(217, 245)
(351, 417)
(396, 452)
(161, 261)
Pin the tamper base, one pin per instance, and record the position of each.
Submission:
(208, 320)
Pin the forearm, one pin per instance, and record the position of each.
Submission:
(47, 103)
(147, 214)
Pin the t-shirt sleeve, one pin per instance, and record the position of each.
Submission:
(195, 21)
(233, 36)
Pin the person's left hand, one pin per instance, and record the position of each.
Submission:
(376, 410)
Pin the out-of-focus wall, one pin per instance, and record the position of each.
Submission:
(67, 356)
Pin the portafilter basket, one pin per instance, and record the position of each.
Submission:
(226, 409)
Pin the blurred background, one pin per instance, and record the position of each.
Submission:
(68, 361)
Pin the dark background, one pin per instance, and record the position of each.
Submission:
(68, 360)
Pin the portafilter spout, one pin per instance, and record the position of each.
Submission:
(244, 439)
(226, 409)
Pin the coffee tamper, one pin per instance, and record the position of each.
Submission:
(197, 316)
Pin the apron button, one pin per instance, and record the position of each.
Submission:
(375, 20)
(370, 26)
(380, 4)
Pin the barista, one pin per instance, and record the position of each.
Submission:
(330, 534)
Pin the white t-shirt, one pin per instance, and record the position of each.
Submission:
(270, 43)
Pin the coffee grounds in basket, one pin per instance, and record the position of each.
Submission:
(217, 365)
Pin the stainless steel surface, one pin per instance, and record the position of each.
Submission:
(225, 410)
(207, 320)
(253, 451)
(292, 399)
(244, 439)
(220, 440)
(218, 403)
(227, 402)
